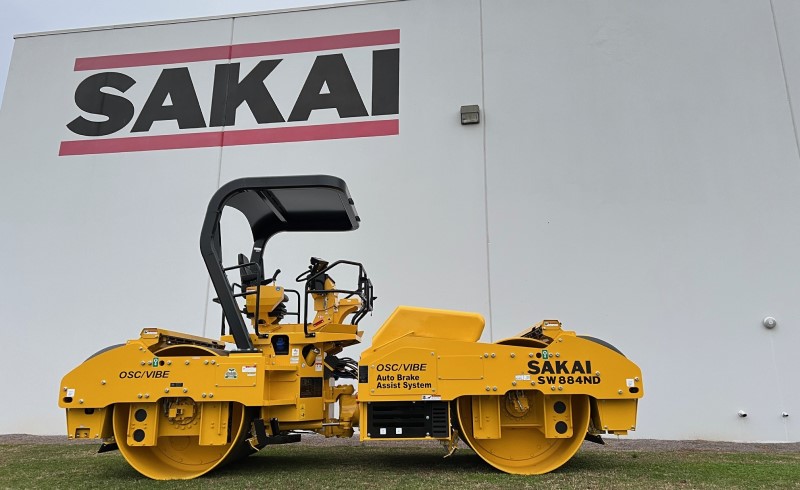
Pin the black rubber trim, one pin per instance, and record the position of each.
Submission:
(108, 446)
(105, 349)
(594, 438)
(601, 342)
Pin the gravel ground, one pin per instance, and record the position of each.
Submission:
(612, 444)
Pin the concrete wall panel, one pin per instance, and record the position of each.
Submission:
(641, 187)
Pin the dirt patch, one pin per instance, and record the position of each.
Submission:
(31, 439)
(658, 445)
(611, 444)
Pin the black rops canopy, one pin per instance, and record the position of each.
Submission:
(271, 205)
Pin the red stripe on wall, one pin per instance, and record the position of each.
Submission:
(269, 48)
(231, 138)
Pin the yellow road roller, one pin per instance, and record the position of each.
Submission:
(177, 406)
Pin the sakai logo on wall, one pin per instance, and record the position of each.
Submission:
(318, 88)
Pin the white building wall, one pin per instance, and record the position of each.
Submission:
(95, 247)
(642, 176)
(633, 175)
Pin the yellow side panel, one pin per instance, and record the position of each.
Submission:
(426, 322)
(92, 423)
(557, 416)
(460, 367)
(214, 424)
(486, 417)
(615, 414)
(143, 424)
(404, 372)
(234, 374)
(282, 387)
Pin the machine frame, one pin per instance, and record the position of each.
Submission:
(177, 406)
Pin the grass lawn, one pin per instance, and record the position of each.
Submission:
(298, 466)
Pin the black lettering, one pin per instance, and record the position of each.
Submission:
(561, 367)
(143, 374)
(342, 91)
(175, 83)
(547, 368)
(551, 379)
(414, 367)
(230, 93)
(533, 368)
(385, 82)
(578, 368)
(90, 97)
(416, 385)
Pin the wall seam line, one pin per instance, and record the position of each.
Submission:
(219, 178)
(486, 183)
(797, 147)
(785, 78)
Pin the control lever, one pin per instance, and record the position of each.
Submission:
(272, 279)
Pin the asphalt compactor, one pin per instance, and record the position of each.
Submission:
(177, 406)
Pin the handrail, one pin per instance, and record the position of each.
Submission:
(364, 291)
